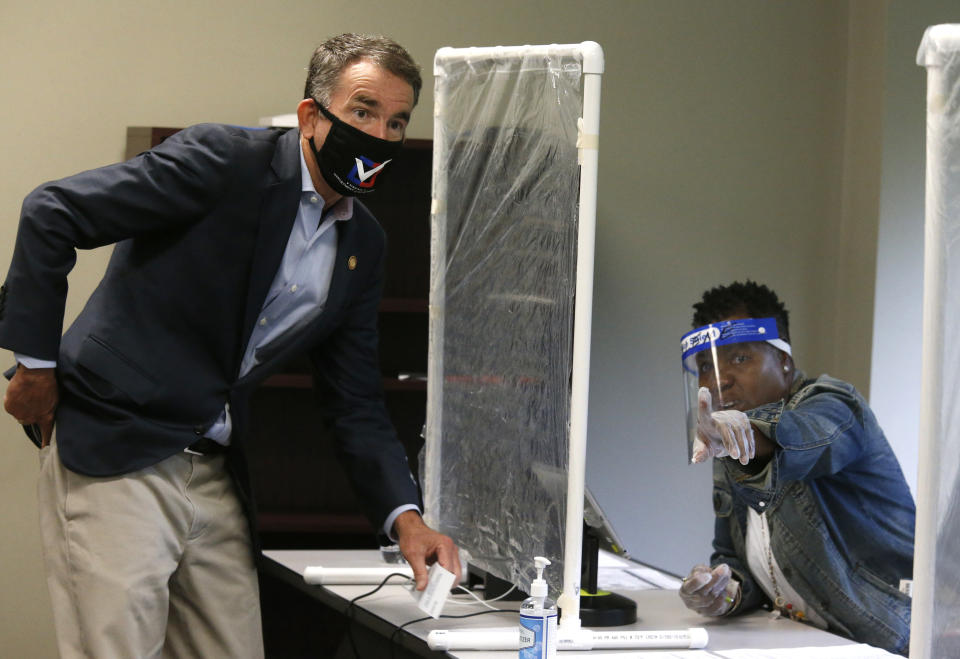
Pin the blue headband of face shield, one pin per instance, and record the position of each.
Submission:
(731, 331)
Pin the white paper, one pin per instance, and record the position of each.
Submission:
(641, 654)
(607, 559)
(656, 578)
(434, 596)
(831, 652)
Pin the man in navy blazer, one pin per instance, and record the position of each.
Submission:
(235, 249)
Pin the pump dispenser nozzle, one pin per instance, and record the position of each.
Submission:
(538, 587)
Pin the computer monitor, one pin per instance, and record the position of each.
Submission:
(595, 519)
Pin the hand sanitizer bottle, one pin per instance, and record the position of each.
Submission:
(538, 619)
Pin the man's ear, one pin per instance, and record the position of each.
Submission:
(307, 117)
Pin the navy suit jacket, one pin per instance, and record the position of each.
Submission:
(200, 224)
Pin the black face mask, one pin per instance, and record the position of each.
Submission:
(350, 161)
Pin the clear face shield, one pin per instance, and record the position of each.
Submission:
(713, 354)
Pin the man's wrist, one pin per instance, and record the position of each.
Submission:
(407, 520)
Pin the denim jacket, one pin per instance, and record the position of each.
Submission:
(840, 514)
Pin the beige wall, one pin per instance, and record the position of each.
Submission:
(730, 148)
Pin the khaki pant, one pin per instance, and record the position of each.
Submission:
(155, 563)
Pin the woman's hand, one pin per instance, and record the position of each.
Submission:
(722, 433)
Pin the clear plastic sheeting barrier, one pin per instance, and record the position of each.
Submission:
(935, 629)
(503, 276)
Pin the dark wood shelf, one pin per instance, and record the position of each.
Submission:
(396, 384)
(313, 522)
(404, 305)
(305, 381)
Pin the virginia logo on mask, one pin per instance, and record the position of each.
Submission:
(366, 178)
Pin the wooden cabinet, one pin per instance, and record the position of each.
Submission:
(303, 496)
(141, 138)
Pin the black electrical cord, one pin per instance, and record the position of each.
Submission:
(393, 636)
(396, 631)
(351, 609)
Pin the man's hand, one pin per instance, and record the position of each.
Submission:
(32, 398)
(423, 546)
(710, 592)
(722, 433)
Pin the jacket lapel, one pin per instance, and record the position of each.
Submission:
(277, 213)
(345, 264)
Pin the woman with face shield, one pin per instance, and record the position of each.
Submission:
(814, 519)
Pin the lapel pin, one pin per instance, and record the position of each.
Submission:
(352, 263)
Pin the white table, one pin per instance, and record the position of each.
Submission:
(657, 609)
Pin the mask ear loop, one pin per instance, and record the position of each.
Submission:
(324, 111)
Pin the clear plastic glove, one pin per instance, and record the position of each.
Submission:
(710, 592)
(722, 433)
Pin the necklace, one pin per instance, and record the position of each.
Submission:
(780, 604)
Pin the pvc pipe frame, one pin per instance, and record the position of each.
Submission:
(569, 601)
(437, 309)
(508, 638)
(590, 52)
(592, 65)
(931, 385)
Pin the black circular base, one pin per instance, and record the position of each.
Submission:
(605, 609)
